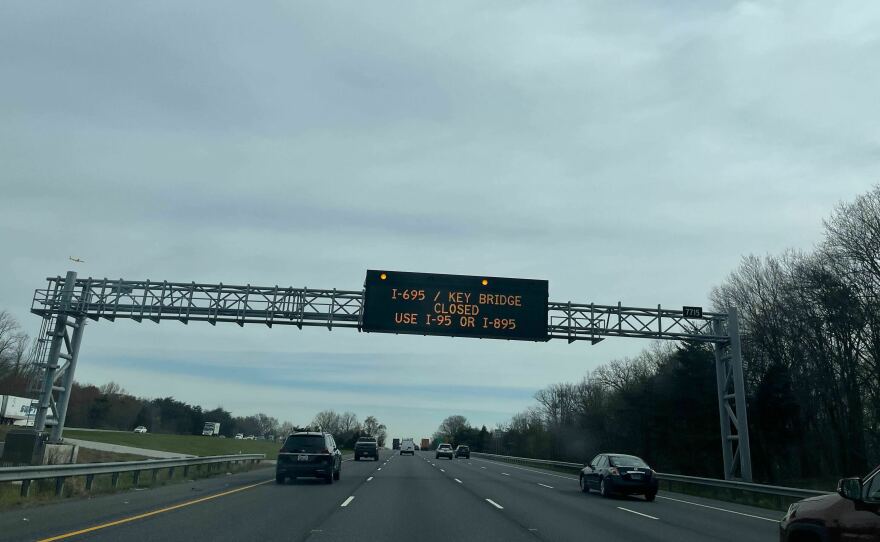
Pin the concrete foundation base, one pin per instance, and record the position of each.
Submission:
(59, 454)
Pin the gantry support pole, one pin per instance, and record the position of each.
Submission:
(732, 408)
(67, 379)
(51, 365)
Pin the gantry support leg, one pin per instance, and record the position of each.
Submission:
(732, 407)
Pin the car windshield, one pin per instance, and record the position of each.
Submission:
(367, 439)
(627, 461)
(304, 443)
(445, 446)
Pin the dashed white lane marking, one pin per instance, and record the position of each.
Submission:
(545, 485)
(380, 468)
(347, 501)
(457, 480)
(495, 504)
(716, 508)
(537, 471)
(505, 474)
(636, 513)
(370, 478)
(441, 470)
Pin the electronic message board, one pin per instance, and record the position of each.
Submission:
(455, 305)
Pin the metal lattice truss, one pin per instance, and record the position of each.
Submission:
(212, 303)
(595, 322)
(67, 302)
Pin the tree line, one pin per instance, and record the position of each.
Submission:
(346, 429)
(810, 328)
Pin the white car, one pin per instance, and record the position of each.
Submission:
(407, 446)
(140, 429)
(239, 436)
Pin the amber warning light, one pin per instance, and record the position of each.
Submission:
(455, 305)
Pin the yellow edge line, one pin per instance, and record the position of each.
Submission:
(148, 514)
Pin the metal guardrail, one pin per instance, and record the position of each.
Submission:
(777, 491)
(27, 474)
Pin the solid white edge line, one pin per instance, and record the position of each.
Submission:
(719, 509)
(457, 480)
(347, 501)
(495, 504)
(545, 485)
(634, 512)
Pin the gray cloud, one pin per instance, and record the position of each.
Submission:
(624, 152)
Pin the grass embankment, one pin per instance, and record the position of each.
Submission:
(182, 444)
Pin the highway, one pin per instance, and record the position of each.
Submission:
(397, 498)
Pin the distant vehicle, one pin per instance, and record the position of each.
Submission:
(239, 436)
(210, 429)
(416, 446)
(853, 513)
(463, 451)
(619, 474)
(222, 436)
(140, 429)
(395, 444)
(17, 410)
(366, 447)
(311, 454)
(250, 437)
(407, 447)
(444, 450)
(426, 444)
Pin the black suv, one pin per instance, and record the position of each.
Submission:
(310, 454)
(462, 451)
(366, 447)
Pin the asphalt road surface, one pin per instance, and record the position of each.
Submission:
(397, 498)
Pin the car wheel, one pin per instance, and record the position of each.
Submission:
(650, 497)
(329, 479)
(583, 483)
(337, 474)
(603, 488)
(280, 478)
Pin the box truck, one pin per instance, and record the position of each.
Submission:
(211, 429)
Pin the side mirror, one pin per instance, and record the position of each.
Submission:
(850, 488)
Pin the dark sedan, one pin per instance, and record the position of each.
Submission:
(619, 474)
(309, 454)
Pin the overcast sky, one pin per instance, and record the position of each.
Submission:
(626, 152)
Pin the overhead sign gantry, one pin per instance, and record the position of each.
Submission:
(391, 302)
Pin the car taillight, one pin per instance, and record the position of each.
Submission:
(613, 471)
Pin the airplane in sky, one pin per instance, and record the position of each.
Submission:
(71, 258)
